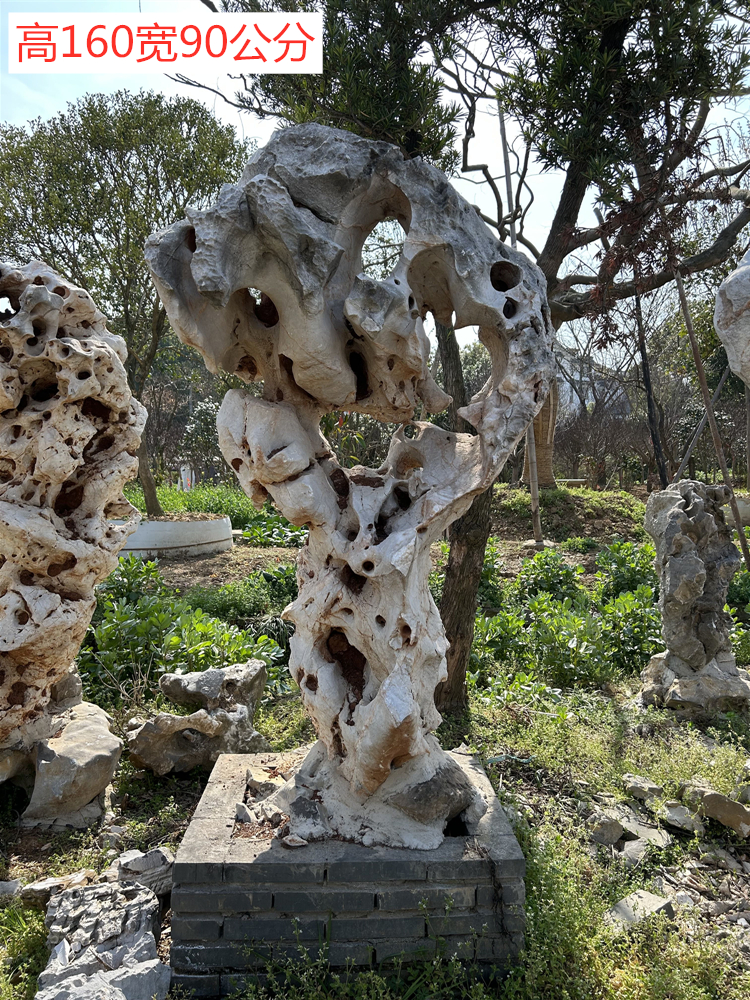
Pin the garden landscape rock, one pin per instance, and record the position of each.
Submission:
(228, 698)
(70, 429)
(696, 560)
(732, 318)
(369, 647)
(104, 937)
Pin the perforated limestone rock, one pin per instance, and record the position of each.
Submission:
(696, 560)
(69, 431)
(732, 318)
(268, 284)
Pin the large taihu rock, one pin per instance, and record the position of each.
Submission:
(69, 432)
(696, 560)
(369, 647)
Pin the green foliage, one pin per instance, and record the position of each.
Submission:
(586, 81)
(551, 630)
(579, 544)
(374, 81)
(625, 566)
(150, 631)
(261, 593)
(490, 589)
(738, 595)
(547, 572)
(268, 528)
(23, 951)
(199, 447)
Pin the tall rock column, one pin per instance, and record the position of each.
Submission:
(268, 284)
(696, 560)
(69, 433)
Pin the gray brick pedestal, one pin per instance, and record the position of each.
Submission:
(237, 902)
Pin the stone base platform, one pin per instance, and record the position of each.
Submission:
(237, 902)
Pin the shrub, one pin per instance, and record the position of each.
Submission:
(625, 566)
(267, 528)
(738, 595)
(548, 573)
(631, 630)
(579, 544)
(262, 593)
(490, 589)
(142, 630)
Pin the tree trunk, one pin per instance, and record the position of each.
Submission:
(544, 437)
(153, 507)
(459, 603)
(468, 538)
(747, 437)
(653, 420)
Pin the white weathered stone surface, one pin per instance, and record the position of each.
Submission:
(732, 318)
(228, 698)
(69, 428)
(69, 432)
(696, 560)
(10, 889)
(369, 647)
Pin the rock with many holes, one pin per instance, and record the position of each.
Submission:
(269, 284)
(732, 318)
(69, 432)
(696, 560)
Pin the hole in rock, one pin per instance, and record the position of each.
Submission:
(504, 275)
(6, 352)
(402, 497)
(509, 309)
(349, 658)
(368, 566)
(55, 569)
(359, 367)
(311, 682)
(42, 390)
(456, 827)
(17, 693)
(83, 375)
(59, 290)
(264, 308)
(95, 408)
(382, 249)
(353, 581)
(247, 366)
(190, 239)
(380, 620)
(236, 464)
(69, 499)
(340, 483)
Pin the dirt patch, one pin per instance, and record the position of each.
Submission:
(224, 567)
(574, 513)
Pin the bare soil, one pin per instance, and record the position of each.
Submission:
(224, 567)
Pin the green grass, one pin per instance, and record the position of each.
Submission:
(568, 514)
(23, 952)
(228, 501)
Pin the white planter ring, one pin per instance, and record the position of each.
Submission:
(179, 539)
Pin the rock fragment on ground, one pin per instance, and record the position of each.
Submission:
(72, 769)
(103, 938)
(228, 698)
(152, 869)
(39, 893)
(602, 828)
(711, 804)
(637, 907)
(640, 788)
(675, 814)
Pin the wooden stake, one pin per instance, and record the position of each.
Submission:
(718, 447)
